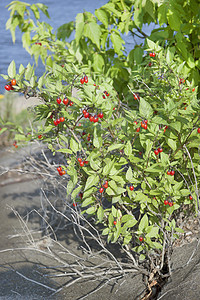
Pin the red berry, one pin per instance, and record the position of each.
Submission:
(62, 119)
(156, 152)
(131, 188)
(65, 101)
(63, 172)
(7, 87)
(160, 149)
(86, 162)
(58, 100)
(96, 119)
(100, 115)
(145, 121)
(115, 222)
(83, 133)
(58, 121)
(166, 202)
(101, 190)
(82, 80)
(171, 204)
(39, 136)
(105, 185)
(145, 126)
(153, 54)
(84, 111)
(107, 94)
(138, 129)
(88, 138)
(13, 82)
(168, 172)
(193, 89)
(91, 119)
(79, 159)
(74, 204)
(198, 130)
(55, 122)
(71, 103)
(172, 172)
(140, 238)
(136, 122)
(59, 169)
(86, 115)
(104, 97)
(191, 197)
(81, 164)
(150, 54)
(150, 64)
(85, 79)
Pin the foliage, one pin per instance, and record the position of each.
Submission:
(146, 131)
(98, 39)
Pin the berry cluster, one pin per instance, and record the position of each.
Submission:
(66, 101)
(92, 118)
(106, 94)
(171, 172)
(81, 162)
(152, 54)
(9, 86)
(167, 202)
(84, 79)
(61, 171)
(15, 144)
(159, 150)
(143, 125)
(58, 121)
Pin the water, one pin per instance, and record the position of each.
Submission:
(61, 12)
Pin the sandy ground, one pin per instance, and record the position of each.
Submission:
(24, 196)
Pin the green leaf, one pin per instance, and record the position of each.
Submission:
(91, 210)
(105, 231)
(143, 223)
(64, 150)
(79, 26)
(145, 108)
(179, 230)
(98, 62)
(102, 16)
(157, 245)
(74, 145)
(128, 148)
(131, 223)
(93, 32)
(171, 143)
(138, 55)
(129, 174)
(117, 42)
(87, 202)
(115, 146)
(100, 214)
(174, 19)
(153, 232)
(91, 181)
(12, 70)
(3, 130)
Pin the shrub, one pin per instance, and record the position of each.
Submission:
(132, 160)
